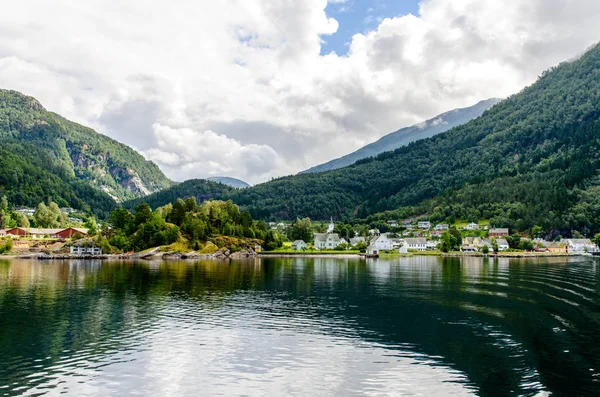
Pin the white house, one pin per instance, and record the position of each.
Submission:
(382, 243)
(502, 244)
(418, 244)
(424, 225)
(442, 227)
(2, 232)
(472, 226)
(392, 223)
(299, 245)
(581, 245)
(357, 239)
(85, 249)
(326, 240)
(431, 245)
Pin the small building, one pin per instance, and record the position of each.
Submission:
(257, 248)
(498, 232)
(442, 227)
(392, 223)
(424, 225)
(33, 232)
(468, 248)
(431, 245)
(397, 242)
(581, 245)
(372, 251)
(472, 226)
(436, 233)
(299, 245)
(85, 247)
(557, 247)
(502, 244)
(356, 240)
(71, 231)
(326, 240)
(2, 232)
(382, 243)
(416, 244)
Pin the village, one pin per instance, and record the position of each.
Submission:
(70, 240)
(423, 236)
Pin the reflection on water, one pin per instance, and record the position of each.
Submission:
(297, 326)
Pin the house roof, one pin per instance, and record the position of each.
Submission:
(416, 241)
(326, 236)
(296, 242)
(501, 241)
(582, 241)
(33, 230)
(499, 230)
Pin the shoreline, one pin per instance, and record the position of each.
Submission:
(184, 257)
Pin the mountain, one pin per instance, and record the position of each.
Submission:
(75, 151)
(231, 182)
(404, 136)
(30, 175)
(201, 189)
(530, 160)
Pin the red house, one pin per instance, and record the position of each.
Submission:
(70, 232)
(17, 231)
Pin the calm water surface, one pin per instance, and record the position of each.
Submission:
(301, 327)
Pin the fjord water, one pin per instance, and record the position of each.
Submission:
(298, 326)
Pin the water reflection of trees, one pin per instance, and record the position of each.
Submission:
(462, 310)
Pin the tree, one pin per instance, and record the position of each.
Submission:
(302, 230)
(514, 241)
(121, 219)
(451, 240)
(91, 225)
(272, 240)
(43, 216)
(485, 250)
(4, 204)
(143, 213)
(177, 214)
(526, 245)
(596, 239)
(495, 245)
(536, 231)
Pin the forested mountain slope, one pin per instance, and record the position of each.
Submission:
(231, 182)
(201, 189)
(29, 175)
(78, 151)
(531, 158)
(404, 136)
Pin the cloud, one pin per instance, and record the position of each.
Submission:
(248, 76)
(185, 152)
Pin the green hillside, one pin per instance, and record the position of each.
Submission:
(29, 175)
(531, 159)
(77, 151)
(201, 189)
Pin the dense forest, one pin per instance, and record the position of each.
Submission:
(203, 227)
(70, 151)
(200, 189)
(29, 175)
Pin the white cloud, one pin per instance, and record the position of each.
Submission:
(251, 71)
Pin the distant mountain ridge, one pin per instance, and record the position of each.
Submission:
(404, 136)
(101, 162)
(231, 182)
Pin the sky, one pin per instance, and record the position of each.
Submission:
(256, 89)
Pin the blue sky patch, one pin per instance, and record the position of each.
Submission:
(360, 16)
